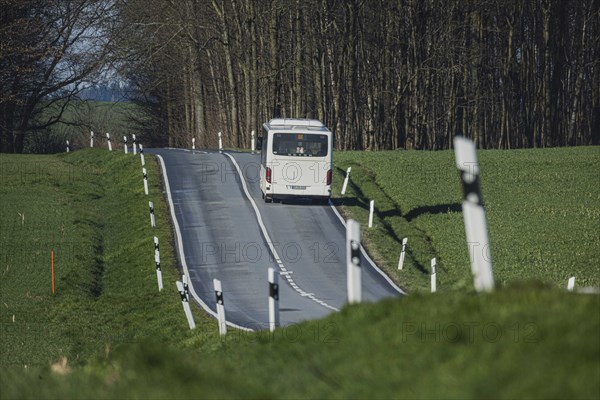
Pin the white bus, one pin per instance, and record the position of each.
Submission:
(296, 160)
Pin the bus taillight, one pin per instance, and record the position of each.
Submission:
(329, 177)
(268, 175)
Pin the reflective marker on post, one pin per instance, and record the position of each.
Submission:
(353, 261)
(152, 218)
(346, 180)
(145, 180)
(186, 305)
(91, 139)
(193, 143)
(109, 142)
(433, 276)
(68, 149)
(134, 145)
(220, 143)
(125, 144)
(186, 288)
(142, 155)
(273, 299)
(220, 307)
(371, 208)
(474, 215)
(252, 143)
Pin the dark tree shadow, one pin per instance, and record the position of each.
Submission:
(350, 202)
(437, 209)
(360, 200)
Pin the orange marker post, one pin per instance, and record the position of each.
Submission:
(52, 271)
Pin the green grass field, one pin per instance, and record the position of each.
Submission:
(90, 209)
(543, 209)
(124, 339)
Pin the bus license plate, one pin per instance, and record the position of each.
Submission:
(297, 187)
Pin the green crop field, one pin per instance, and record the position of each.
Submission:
(543, 210)
(109, 333)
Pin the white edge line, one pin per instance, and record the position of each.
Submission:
(366, 256)
(269, 242)
(182, 254)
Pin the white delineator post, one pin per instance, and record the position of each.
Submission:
(220, 143)
(109, 142)
(152, 218)
(402, 254)
(353, 261)
(474, 215)
(125, 144)
(157, 262)
(345, 185)
(134, 144)
(571, 284)
(220, 307)
(142, 155)
(193, 143)
(145, 180)
(68, 149)
(186, 305)
(371, 208)
(91, 139)
(252, 143)
(273, 299)
(433, 276)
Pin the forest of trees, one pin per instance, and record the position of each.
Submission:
(382, 74)
(48, 51)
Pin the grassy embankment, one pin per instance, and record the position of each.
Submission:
(90, 209)
(124, 339)
(543, 209)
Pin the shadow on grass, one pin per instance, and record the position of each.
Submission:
(349, 202)
(393, 211)
(437, 209)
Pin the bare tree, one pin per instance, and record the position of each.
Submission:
(49, 51)
(383, 75)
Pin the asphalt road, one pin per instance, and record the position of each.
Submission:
(228, 232)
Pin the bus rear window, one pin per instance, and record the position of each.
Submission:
(300, 144)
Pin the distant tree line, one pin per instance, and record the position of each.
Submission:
(105, 92)
(381, 74)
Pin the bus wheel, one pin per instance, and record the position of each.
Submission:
(267, 199)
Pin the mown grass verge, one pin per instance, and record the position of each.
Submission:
(543, 209)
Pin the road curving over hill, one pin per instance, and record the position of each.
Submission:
(224, 230)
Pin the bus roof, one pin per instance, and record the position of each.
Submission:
(295, 123)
